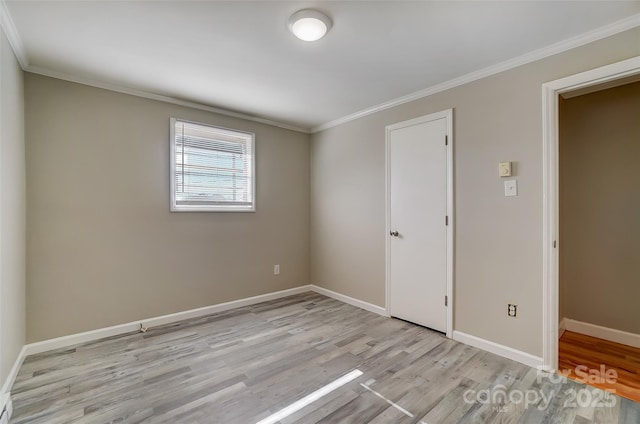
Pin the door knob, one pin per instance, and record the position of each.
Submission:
(394, 233)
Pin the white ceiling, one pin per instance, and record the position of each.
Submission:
(239, 55)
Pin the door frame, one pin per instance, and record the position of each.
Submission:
(550, 196)
(448, 116)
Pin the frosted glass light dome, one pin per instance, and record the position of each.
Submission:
(309, 24)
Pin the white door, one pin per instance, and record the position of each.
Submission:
(417, 220)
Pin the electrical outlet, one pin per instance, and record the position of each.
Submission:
(276, 270)
(512, 309)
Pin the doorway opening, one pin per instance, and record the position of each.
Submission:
(607, 77)
(599, 234)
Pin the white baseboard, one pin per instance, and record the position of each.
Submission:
(616, 336)
(351, 301)
(498, 349)
(73, 339)
(562, 327)
(8, 382)
(100, 333)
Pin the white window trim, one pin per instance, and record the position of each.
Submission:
(208, 208)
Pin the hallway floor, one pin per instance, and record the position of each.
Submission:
(579, 350)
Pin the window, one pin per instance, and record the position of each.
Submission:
(212, 169)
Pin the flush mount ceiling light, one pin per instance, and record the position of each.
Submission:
(309, 24)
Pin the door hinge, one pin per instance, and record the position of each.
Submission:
(446, 220)
(446, 301)
(554, 244)
(446, 140)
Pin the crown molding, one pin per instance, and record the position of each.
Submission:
(18, 48)
(622, 25)
(628, 23)
(12, 35)
(159, 97)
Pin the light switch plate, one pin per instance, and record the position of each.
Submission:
(510, 188)
(504, 169)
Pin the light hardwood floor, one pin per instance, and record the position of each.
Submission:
(581, 350)
(243, 365)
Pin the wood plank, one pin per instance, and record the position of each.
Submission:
(581, 350)
(241, 366)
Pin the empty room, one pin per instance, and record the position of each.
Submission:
(261, 212)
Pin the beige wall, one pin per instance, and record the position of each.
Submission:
(12, 210)
(600, 181)
(103, 248)
(498, 251)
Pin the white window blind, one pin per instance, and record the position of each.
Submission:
(212, 169)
